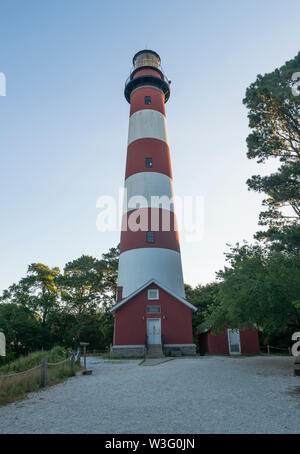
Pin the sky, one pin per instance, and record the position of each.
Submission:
(64, 119)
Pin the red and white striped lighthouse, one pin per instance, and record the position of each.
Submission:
(151, 308)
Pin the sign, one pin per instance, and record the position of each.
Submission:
(2, 344)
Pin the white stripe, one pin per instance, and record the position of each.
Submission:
(147, 124)
(140, 187)
(138, 266)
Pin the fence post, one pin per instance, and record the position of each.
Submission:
(268, 347)
(85, 370)
(78, 355)
(72, 362)
(44, 373)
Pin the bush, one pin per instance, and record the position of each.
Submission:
(16, 387)
(33, 359)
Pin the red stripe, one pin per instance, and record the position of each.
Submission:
(137, 100)
(162, 222)
(147, 72)
(141, 149)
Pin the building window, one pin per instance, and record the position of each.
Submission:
(148, 163)
(153, 294)
(148, 100)
(153, 309)
(150, 237)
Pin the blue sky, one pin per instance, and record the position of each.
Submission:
(64, 121)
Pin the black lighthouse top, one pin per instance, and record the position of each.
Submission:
(143, 60)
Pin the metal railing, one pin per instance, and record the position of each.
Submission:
(163, 77)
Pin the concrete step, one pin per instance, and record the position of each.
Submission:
(155, 351)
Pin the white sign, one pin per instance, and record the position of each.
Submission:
(295, 351)
(2, 344)
(2, 84)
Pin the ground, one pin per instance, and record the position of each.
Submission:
(184, 395)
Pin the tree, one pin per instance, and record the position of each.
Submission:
(274, 117)
(47, 308)
(110, 262)
(203, 297)
(22, 330)
(36, 292)
(282, 239)
(260, 287)
(62, 328)
(81, 288)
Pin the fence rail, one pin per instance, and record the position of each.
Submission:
(73, 358)
(21, 373)
(60, 362)
(270, 347)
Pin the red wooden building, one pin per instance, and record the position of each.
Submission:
(152, 315)
(229, 342)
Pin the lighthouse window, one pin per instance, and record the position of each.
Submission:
(153, 309)
(150, 237)
(149, 162)
(147, 99)
(153, 294)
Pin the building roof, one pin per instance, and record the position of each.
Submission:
(153, 281)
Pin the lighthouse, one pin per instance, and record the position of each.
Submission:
(151, 314)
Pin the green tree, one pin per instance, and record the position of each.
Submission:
(203, 297)
(81, 288)
(260, 287)
(284, 239)
(110, 262)
(22, 330)
(62, 328)
(36, 292)
(274, 117)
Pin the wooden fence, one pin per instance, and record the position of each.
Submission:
(44, 366)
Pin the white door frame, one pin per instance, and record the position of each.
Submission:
(239, 344)
(149, 319)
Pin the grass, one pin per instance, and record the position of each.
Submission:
(16, 387)
(33, 359)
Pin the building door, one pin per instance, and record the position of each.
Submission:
(234, 341)
(203, 343)
(154, 331)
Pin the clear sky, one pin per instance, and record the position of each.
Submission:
(64, 121)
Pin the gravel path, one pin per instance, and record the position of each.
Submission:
(185, 395)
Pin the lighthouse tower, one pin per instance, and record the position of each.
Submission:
(151, 313)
